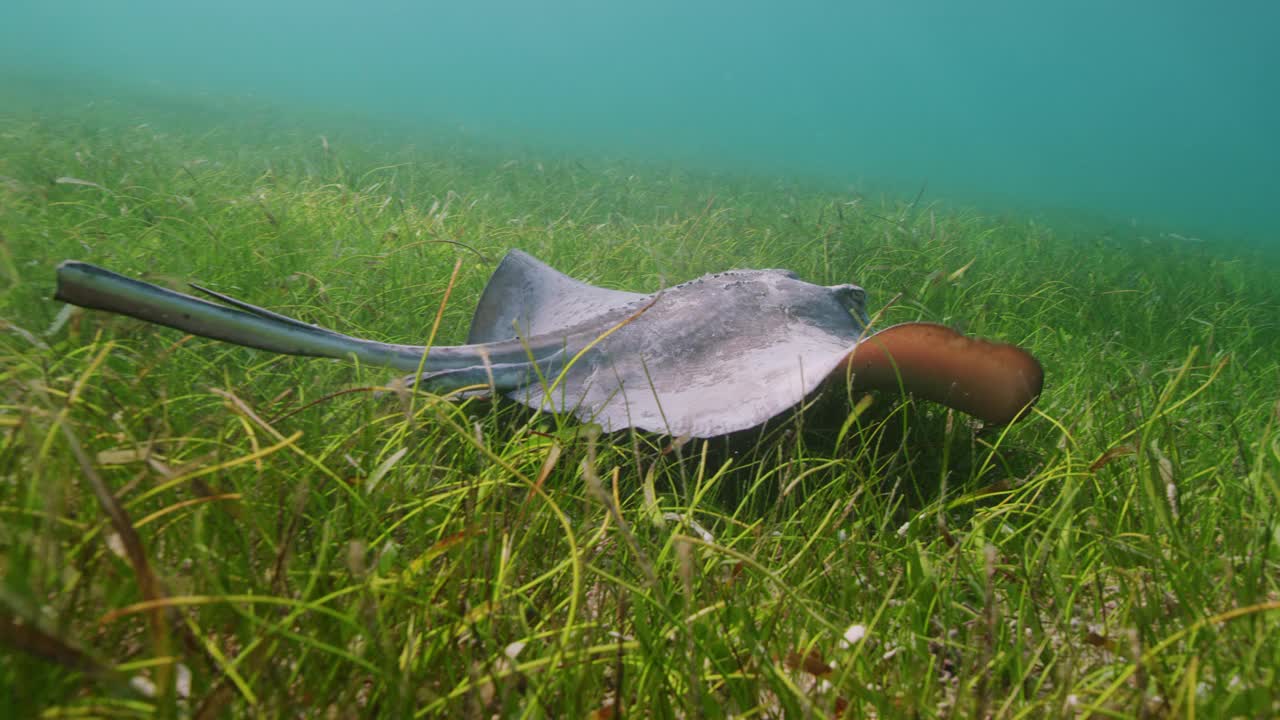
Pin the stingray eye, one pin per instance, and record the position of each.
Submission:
(852, 297)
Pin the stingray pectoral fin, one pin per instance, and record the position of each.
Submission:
(528, 297)
(993, 381)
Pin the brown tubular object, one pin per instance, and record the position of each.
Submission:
(995, 382)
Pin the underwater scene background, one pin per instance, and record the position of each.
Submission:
(1159, 112)
(194, 529)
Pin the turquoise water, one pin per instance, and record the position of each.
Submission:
(1160, 112)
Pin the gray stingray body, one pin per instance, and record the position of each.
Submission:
(721, 353)
(715, 355)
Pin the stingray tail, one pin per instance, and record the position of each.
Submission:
(236, 322)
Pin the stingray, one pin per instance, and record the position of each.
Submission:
(719, 354)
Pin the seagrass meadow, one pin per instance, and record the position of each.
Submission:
(192, 529)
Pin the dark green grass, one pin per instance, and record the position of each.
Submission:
(319, 547)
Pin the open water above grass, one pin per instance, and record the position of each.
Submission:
(1155, 112)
